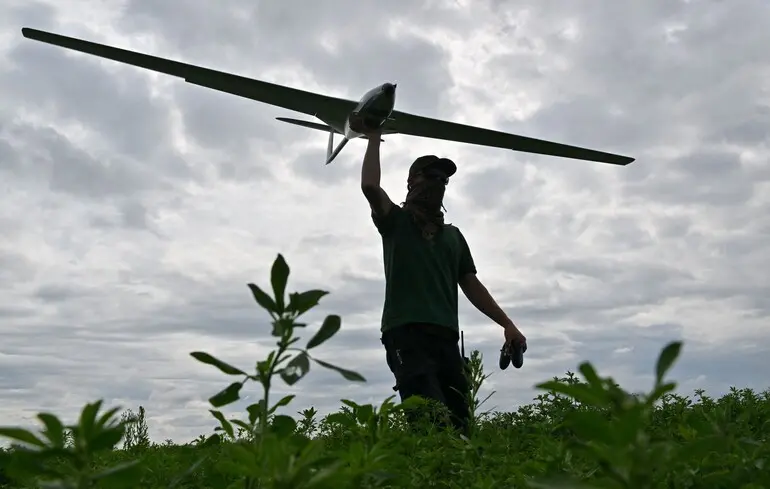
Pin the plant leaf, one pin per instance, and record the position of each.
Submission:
(125, 474)
(226, 425)
(227, 395)
(582, 393)
(54, 429)
(295, 369)
(283, 402)
(279, 277)
(256, 411)
(341, 418)
(107, 416)
(210, 360)
(348, 374)
(302, 302)
(589, 372)
(263, 299)
(281, 325)
(283, 425)
(328, 329)
(214, 439)
(666, 359)
(88, 418)
(180, 477)
(22, 435)
(106, 439)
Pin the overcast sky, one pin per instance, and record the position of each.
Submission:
(136, 207)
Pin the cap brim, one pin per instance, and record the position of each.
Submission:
(446, 166)
(428, 162)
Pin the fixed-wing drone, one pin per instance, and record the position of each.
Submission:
(346, 117)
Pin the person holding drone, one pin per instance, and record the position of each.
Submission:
(425, 259)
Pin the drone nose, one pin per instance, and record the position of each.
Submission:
(389, 88)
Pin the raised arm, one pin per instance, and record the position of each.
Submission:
(378, 200)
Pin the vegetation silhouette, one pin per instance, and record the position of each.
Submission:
(585, 432)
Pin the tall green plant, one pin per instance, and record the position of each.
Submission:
(612, 426)
(274, 454)
(37, 454)
(291, 369)
(476, 379)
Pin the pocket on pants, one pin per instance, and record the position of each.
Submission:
(408, 362)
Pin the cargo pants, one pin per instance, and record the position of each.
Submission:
(425, 360)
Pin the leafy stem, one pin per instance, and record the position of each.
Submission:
(284, 313)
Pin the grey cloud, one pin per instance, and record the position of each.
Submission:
(487, 189)
(231, 130)
(366, 55)
(751, 129)
(612, 291)
(711, 178)
(222, 120)
(637, 348)
(738, 365)
(672, 227)
(14, 266)
(325, 241)
(241, 318)
(640, 91)
(121, 109)
(126, 214)
(357, 295)
(586, 122)
(310, 165)
(638, 94)
(28, 13)
(68, 168)
(134, 215)
(16, 312)
(59, 292)
(7, 155)
(420, 64)
(139, 158)
(613, 270)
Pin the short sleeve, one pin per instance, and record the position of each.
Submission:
(385, 224)
(466, 264)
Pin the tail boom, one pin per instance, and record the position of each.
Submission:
(330, 155)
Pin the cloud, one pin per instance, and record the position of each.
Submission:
(137, 207)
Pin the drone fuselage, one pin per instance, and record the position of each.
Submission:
(374, 108)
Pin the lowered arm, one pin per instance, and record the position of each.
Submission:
(479, 296)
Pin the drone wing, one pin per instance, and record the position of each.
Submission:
(326, 108)
(415, 125)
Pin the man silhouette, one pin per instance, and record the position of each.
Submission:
(425, 260)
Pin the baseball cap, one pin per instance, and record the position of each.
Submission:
(445, 165)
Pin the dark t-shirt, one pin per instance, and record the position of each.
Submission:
(421, 276)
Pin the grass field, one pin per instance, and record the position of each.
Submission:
(582, 431)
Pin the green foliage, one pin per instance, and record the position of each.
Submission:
(585, 432)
